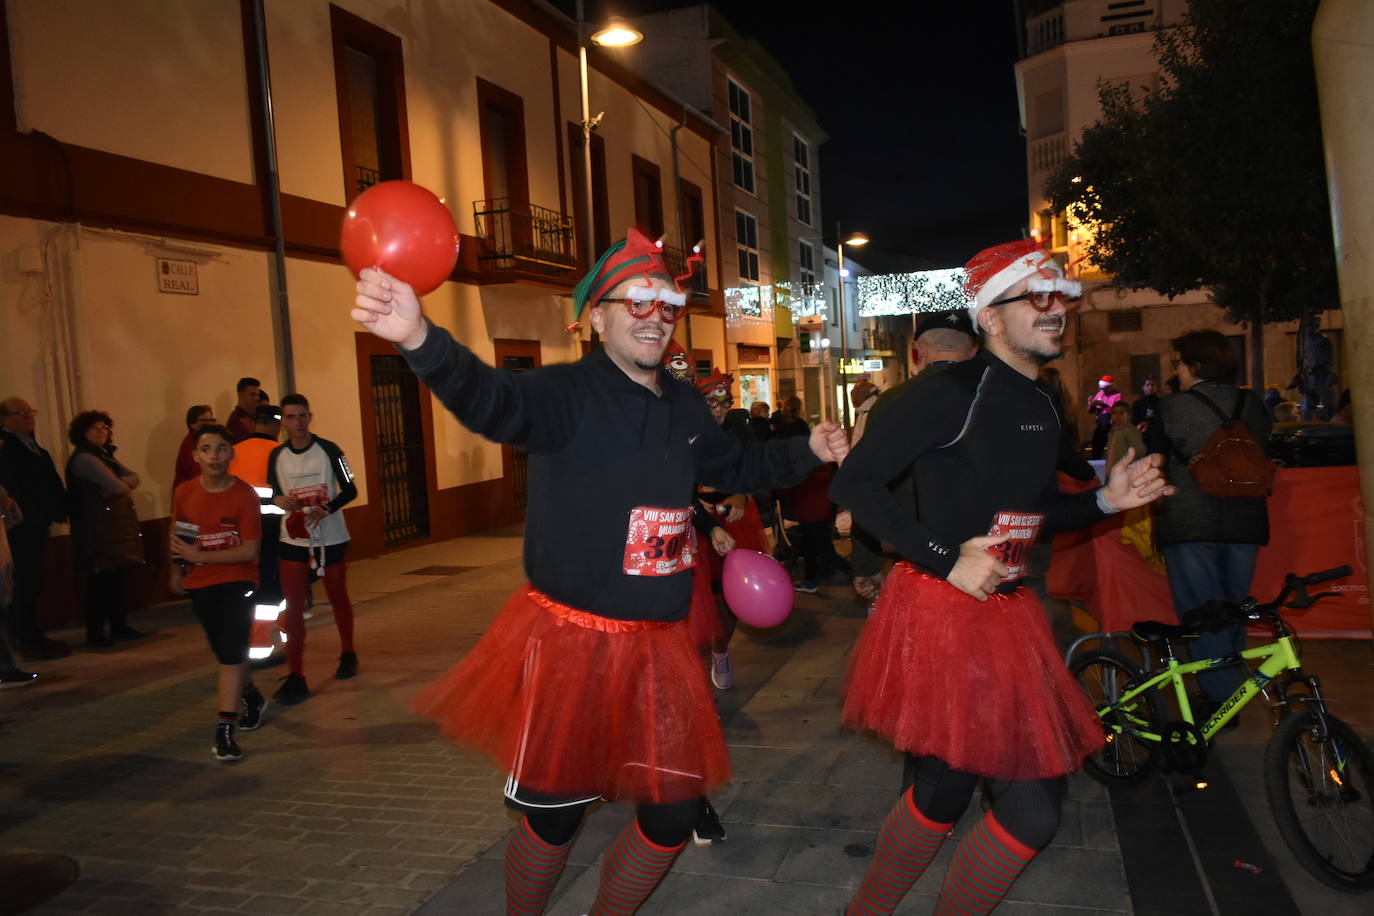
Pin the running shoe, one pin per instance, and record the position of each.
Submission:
(721, 675)
(709, 829)
(808, 588)
(254, 704)
(224, 748)
(348, 666)
(292, 691)
(13, 677)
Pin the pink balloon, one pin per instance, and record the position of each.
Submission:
(757, 588)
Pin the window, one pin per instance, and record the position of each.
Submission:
(741, 137)
(801, 169)
(807, 257)
(502, 126)
(747, 238)
(693, 214)
(369, 79)
(648, 197)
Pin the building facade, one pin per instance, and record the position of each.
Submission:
(1068, 48)
(766, 169)
(149, 147)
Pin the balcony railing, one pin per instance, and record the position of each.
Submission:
(1047, 152)
(677, 261)
(366, 177)
(517, 235)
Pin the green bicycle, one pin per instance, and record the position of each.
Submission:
(1319, 775)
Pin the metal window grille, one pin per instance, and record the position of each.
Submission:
(400, 451)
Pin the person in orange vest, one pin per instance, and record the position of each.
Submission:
(250, 465)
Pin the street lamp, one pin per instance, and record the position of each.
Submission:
(857, 240)
(616, 34)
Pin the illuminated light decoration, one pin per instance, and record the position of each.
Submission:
(748, 304)
(805, 300)
(904, 294)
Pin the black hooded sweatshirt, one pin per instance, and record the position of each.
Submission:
(601, 447)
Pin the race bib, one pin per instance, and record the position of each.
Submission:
(316, 494)
(219, 540)
(1015, 552)
(658, 542)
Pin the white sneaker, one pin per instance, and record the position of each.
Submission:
(721, 675)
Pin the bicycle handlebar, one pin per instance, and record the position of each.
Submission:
(1326, 575)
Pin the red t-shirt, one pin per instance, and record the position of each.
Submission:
(222, 520)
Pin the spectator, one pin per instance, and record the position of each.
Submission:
(10, 673)
(1286, 412)
(250, 465)
(1124, 435)
(1272, 398)
(1170, 386)
(1209, 542)
(1071, 459)
(241, 419)
(809, 505)
(105, 538)
(311, 481)
(196, 416)
(863, 396)
(1145, 408)
(789, 421)
(1100, 406)
(759, 422)
(28, 473)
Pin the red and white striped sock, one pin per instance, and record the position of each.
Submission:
(532, 870)
(906, 843)
(985, 865)
(632, 869)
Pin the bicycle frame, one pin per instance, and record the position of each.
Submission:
(1279, 656)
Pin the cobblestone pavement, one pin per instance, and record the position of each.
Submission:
(349, 804)
(345, 804)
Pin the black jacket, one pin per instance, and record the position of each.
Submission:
(32, 481)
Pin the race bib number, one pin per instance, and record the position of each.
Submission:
(219, 540)
(1015, 552)
(659, 542)
(316, 494)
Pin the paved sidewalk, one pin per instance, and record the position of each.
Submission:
(348, 804)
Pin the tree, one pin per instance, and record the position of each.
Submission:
(1215, 180)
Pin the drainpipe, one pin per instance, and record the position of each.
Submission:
(281, 305)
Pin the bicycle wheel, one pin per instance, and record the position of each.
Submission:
(1126, 757)
(1322, 796)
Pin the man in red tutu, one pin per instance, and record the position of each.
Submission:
(587, 685)
(957, 666)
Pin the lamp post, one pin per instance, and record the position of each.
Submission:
(857, 239)
(616, 34)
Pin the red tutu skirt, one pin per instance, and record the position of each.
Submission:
(703, 618)
(978, 684)
(575, 705)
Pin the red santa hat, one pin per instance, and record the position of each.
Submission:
(676, 362)
(993, 271)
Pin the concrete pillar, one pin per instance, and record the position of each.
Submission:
(1343, 49)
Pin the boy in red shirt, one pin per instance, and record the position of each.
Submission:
(216, 531)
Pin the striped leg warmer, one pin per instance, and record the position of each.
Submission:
(632, 869)
(986, 863)
(907, 842)
(532, 870)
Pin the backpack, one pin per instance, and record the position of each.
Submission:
(1231, 463)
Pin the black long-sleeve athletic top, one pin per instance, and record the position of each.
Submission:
(610, 461)
(982, 439)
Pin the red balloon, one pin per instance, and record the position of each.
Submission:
(757, 588)
(403, 229)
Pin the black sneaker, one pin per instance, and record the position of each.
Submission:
(348, 666)
(13, 677)
(224, 748)
(254, 704)
(292, 691)
(709, 829)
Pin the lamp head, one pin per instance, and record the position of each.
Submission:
(617, 34)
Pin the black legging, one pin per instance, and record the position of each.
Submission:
(1029, 810)
(663, 825)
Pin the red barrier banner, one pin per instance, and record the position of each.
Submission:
(1316, 521)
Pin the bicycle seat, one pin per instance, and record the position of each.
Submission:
(1147, 631)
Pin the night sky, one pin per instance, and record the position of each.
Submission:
(925, 152)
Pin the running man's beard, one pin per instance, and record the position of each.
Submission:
(646, 364)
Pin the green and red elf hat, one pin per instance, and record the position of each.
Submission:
(636, 256)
